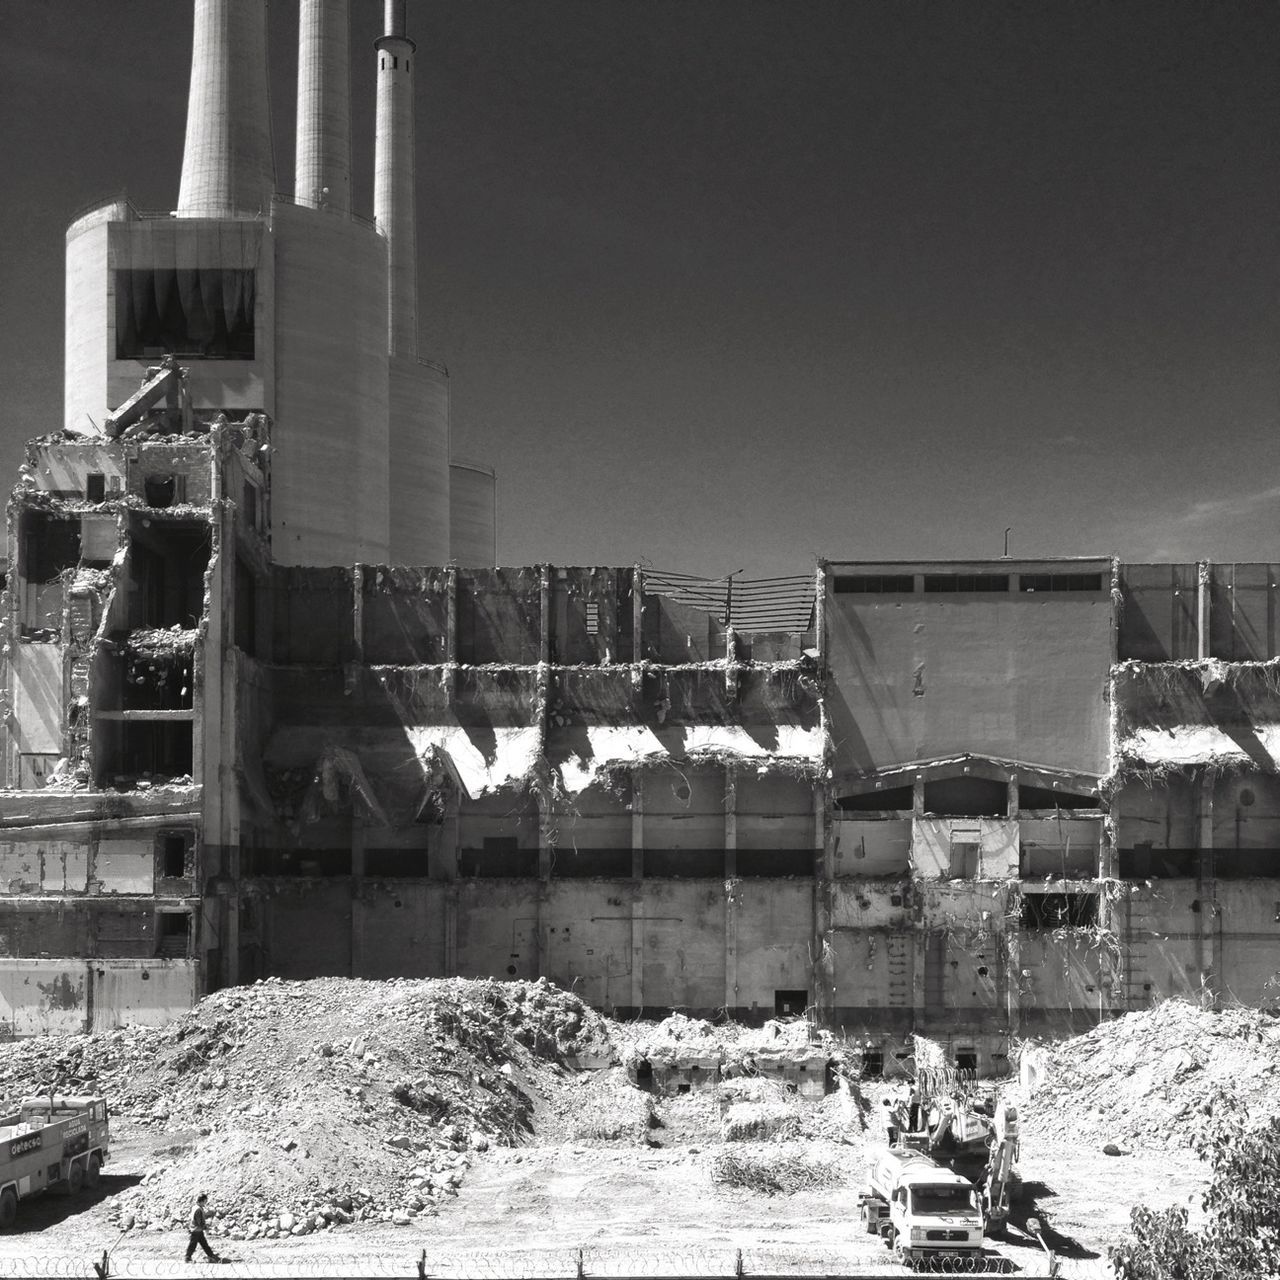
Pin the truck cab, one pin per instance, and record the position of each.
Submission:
(921, 1208)
(51, 1142)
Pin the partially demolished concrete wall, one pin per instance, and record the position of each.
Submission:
(534, 771)
(996, 873)
(976, 801)
(121, 551)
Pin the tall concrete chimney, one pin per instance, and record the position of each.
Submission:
(393, 176)
(228, 166)
(322, 177)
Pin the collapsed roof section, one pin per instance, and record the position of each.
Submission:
(540, 678)
(1192, 714)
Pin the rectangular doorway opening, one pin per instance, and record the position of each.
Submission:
(790, 1004)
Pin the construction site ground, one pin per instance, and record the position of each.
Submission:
(628, 1178)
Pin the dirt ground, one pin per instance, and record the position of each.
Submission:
(633, 1208)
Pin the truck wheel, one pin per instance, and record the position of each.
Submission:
(75, 1178)
(8, 1208)
(93, 1171)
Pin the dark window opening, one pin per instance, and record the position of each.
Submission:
(1059, 910)
(155, 680)
(395, 63)
(201, 312)
(95, 487)
(1144, 863)
(499, 857)
(159, 748)
(333, 862)
(1244, 864)
(173, 937)
(872, 1064)
(1046, 798)
(164, 491)
(775, 862)
(1060, 582)
(168, 563)
(967, 797)
(395, 864)
(570, 863)
(874, 584)
(698, 864)
(49, 546)
(967, 1060)
(890, 798)
(969, 582)
(966, 854)
(174, 848)
(790, 1004)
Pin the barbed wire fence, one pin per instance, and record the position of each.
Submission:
(586, 1263)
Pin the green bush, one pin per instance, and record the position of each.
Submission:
(1241, 1233)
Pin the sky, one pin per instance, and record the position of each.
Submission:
(730, 284)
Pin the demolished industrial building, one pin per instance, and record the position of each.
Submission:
(249, 734)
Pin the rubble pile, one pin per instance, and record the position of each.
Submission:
(1152, 1079)
(299, 1106)
(678, 1039)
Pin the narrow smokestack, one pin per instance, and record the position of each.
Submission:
(393, 176)
(323, 175)
(227, 166)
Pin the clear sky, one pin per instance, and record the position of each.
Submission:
(728, 284)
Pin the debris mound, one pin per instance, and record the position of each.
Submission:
(773, 1173)
(299, 1106)
(1152, 1079)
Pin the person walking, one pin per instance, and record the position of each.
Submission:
(197, 1236)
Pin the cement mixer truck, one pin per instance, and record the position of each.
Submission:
(921, 1209)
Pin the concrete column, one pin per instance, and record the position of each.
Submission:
(637, 825)
(637, 891)
(1013, 973)
(544, 613)
(357, 612)
(731, 891)
(546, 837)
(357, 885)
(730, 823)
(1202, 609)
(637, 949)
(227, 164)
(451, 931)
(1207, 885)
(637, 614)
(451, 615)
(322, 175)
(824, 976)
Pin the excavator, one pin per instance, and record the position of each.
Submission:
(945, 1117)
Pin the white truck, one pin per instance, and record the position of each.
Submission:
(922, 1210)
(50, 1142)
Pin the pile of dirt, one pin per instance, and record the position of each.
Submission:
(300, 1105)
(1151, 1079)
